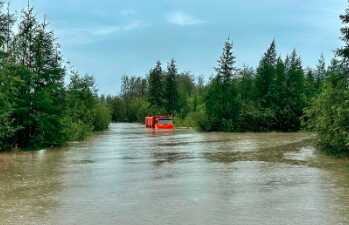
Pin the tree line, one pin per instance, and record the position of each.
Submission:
(37, 108)
(271, 97)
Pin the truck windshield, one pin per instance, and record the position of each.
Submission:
(165, 121)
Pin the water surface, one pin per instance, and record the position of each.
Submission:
(129, 175)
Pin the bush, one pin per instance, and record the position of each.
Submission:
(191, 120)
(76, 130)
(328, 115)
(102, 117)
(257, 120)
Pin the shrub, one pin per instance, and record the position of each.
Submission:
(102, 117)
(328, 115)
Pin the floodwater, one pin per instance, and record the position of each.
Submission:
(132, 176)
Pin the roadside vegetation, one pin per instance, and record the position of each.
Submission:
(37, 108)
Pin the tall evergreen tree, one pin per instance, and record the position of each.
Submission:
(80, 101)
(344, 51)
(6, 23)
(8, 83)
(320, 73)
(222, 103)
(41, 110)
(246, 86)
(266, 75)
(171, 94)
(295, 90)
(225, 70)
(49, 87)
(24, 40)
(311, 85)
(155, 93)
(279, 86)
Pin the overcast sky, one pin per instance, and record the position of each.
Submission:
(110, 38)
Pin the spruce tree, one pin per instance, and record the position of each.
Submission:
(6, 23)
(222, 103)
(49, 86)
(279, 85)
(246, 85)
(320, 72)
(171, 94)
(311, 85)
(42, 108)
(295, 91)
(278, 96)
(344, 51)
(225, 70)
(155, 93)
(266, 75)
(24, 40)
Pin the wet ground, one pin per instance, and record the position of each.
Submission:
(132, 176)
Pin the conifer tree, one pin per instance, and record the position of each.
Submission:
(246, 86)
(310, 85)
(155, 95)
(266, 75)
(320, 72)
(222, 104)
(225, 70)
(295, 90)
(279, 87)
(49, 86)
(24, 40)
(42, 108)
(6, 23)
(171, 94)
(344, 51)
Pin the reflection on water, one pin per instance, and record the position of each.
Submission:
(136, 176)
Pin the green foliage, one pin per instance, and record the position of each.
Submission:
(36, 110)
(81, 101)
(171, 92)
(102, 117)
(156, 87)
(117, 107)
(328, 115)
(185, 89)
(137, 110)
(254, 119)
(265, 75)
(310, 86)
(222, 101)
(320, 72)
(192, 120)
(295, 100)
(222, 106)
(247, 85)
(8, 92)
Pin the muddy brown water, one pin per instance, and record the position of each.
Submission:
(132, 176)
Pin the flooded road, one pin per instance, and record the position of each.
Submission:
(132, 176)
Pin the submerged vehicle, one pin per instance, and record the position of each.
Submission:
(159, 122)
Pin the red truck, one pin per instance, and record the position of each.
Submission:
(158, 122)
